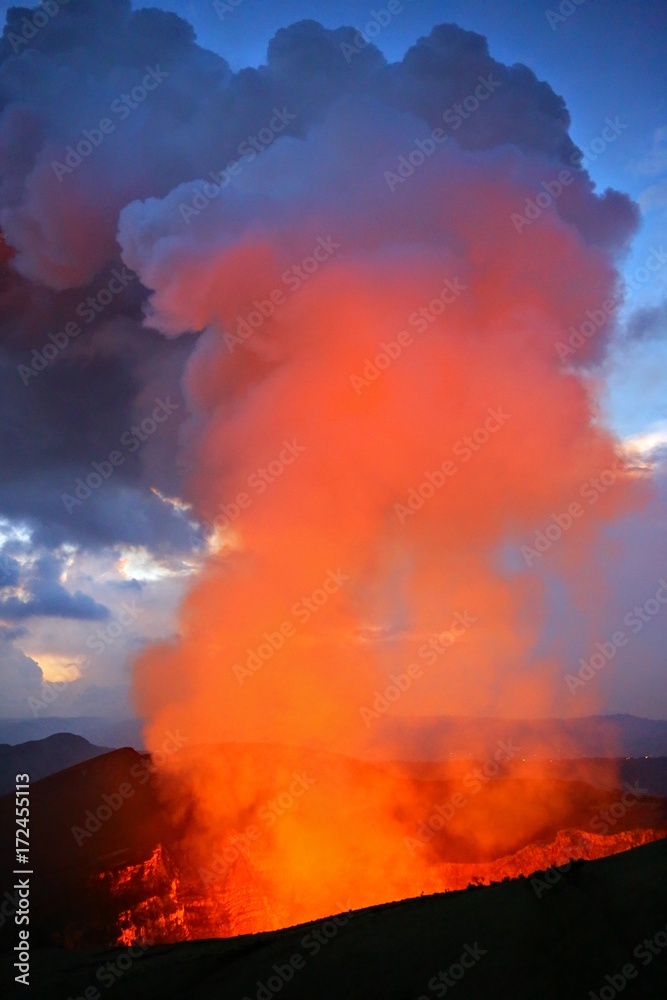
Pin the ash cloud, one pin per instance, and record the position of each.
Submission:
(60, 235)
(399, 226)
(344, 118)
(193, 122)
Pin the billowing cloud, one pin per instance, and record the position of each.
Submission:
(192, 115)
(193, 118)
(299, 280)
(44, 596)
(649, 323)
(344, 285)
(383, 430)
(20, 677)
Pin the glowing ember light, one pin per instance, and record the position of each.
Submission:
(368, 428)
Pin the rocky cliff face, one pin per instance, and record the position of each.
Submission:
(568, 845)
(127, 874)
(149, 900)
(158, 903)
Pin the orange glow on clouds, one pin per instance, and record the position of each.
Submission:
(405, 481)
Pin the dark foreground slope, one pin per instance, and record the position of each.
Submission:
(599, 926)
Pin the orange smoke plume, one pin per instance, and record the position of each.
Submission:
(381, 423)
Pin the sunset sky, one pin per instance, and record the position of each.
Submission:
(87, 581)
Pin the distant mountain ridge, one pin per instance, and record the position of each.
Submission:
(97, 730)
(423, 738)
(440, 737)
(42, 758)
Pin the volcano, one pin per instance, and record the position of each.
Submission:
(500, 941)
(119, 865)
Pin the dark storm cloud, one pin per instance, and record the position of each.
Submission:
(648, 324)
(9, 571)
(53, 601)
(62, 220)
(8, 633)
(442, 70)
(44, 596)
(75, 414)
(176, 113)
(439, 79)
